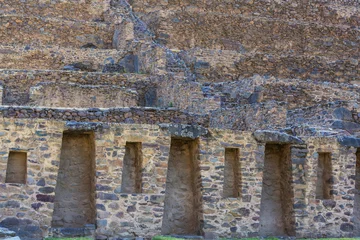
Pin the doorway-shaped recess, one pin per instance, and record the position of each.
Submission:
(132, 164)
(357, 196)
(182, 211)
(74, 205)
(324, 176)
(276, 210)
(16, 167)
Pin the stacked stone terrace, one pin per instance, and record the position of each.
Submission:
(215, 119)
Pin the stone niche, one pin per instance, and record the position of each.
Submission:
(74, 204)
(16, 167)
(276, 209)
(324, 176)
(132, 164)
(182, 210)
(357, 196)
(232, 174)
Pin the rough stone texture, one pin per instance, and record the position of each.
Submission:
(243, 75)
(324, 176)
(132, 170)
(82, 96)
(74, 204)
(182, 206)
(357, 196)
(276, 211)
(16, 168)
(232, 185)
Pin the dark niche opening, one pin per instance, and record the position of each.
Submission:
(232, 173)
(132, 166)
(324, 176)
(74, 204)
(182, 211)
(357, 196)
(16, 170)
(277, 197)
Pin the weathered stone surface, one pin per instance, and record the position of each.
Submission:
(185, 131)
(349, 141)
(276, 82)
(6, 233)
(266, 136)
(343, 114)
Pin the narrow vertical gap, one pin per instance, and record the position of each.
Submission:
(232, 175)
(16, 167)
(74, 204)
(132, 165)
(324, 176)
(276, 210)
(182, 195)
(357, 196)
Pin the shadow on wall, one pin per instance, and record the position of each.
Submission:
(276, 210)
(183, 206)
(74, 205)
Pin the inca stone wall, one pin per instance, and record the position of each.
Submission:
(182, 195)
(276, 211)
(132, 176)
(16, 167)
(124, 119)
(75, 189)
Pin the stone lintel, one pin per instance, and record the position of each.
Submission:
(349, 141)
(184, 130)
(85, 126)
(267, 136)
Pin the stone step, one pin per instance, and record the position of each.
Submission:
(92, 118)
(36, 87)
(185, 30)
(41, 31)
(220, 66)
(334, 12)
(80, 10)
(71, 95)
(55, 58)
(295, 92)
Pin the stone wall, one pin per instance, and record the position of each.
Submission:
(18, 94)
(30, 206)
(181, 211)
(74, 203)
(276, 211)
(51, 31)
(91, 10)
(317, 217)
(82, 96)
(16, 167)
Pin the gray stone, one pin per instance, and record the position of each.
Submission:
(349, 141)
(130, 63)
(113, 68)
(187, 131)
(107, 196)
(151, 97)
(351, 127)
(319, 218)
(329, 203)
(267, 136)
(80, 66)
(346, 227)
(12, 238)
(4, 233)
(343, 114)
